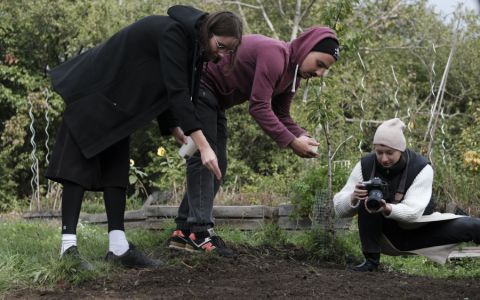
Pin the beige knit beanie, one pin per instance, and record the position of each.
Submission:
(390, 133)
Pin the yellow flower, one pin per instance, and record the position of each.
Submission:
(132, 162)
(471, 160)
(161, 151)
(471, 153)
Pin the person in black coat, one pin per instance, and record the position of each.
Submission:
(147, 70)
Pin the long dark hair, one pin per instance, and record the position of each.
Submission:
(222, 23)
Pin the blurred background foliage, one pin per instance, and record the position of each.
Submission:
(393, 57)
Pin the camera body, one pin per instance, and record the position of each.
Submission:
(376, 188)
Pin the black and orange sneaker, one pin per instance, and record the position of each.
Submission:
(178, 240)
(208, 241)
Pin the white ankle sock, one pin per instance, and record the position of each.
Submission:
(68, 240)
(117, 242)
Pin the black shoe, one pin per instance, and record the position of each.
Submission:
(133, 259)
(208, 241)
(367, 266)
(72, 254)
(178, 240)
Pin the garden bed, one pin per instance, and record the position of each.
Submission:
(257, 273)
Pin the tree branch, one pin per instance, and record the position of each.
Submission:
(296, 19)
(307, 10)
(244, 18)
(386, 16)
(267, 19)
(338, 147)
(280, 8)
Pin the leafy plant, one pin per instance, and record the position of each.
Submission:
(135, 179)
(306, 188)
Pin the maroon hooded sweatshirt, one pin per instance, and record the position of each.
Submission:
(264, 74)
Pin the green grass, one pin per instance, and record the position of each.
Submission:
(419, 265)
(29, 252)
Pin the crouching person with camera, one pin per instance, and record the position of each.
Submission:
(391, 191)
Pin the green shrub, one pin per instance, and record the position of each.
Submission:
(455, 183)
(305, 190)
(342, 247)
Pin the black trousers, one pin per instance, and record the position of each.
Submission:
(372, 226)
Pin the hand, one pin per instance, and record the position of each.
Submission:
(303, 146)
(180, 137)
(209, 159)
(359, 194)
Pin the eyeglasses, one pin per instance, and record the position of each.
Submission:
(221, 47)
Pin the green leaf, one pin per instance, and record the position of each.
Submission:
(132, 179)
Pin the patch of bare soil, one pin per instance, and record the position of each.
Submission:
(257, 273)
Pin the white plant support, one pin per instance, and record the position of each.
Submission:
(34, 182)
(437, 106)
(397, 104)
(362, 83)
(47, 94)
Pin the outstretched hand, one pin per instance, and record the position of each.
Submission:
(209, 159)
(305, 147)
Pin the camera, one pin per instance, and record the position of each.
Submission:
(376, 188)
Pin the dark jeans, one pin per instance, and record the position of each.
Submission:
(371, 226)
(195, 210)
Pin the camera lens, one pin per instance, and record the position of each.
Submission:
(374, 201)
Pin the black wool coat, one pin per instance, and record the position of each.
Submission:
(147, 70)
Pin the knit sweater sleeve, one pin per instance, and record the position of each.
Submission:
(416, 198)
(281, 105)
(269, 69)
(342, 199)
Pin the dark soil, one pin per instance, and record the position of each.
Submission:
(257, 274)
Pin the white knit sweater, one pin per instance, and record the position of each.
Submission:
(409, 210)
(407, 213)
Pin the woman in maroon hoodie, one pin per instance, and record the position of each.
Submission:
(267, 73)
